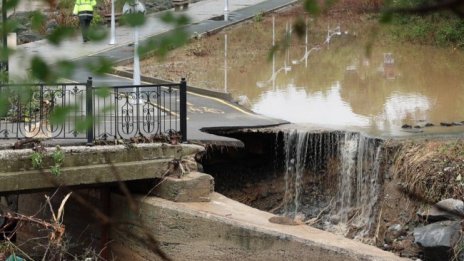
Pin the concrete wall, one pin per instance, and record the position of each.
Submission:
(224, 229)
(89, 165)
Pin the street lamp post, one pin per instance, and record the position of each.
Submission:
(113, 25)
(132, 8)
(136, 78)
(226, 10)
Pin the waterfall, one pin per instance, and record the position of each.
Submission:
(359, 181)
(308, 155)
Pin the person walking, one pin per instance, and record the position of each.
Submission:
(84, 9)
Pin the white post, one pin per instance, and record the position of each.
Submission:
(306, 44)
(225, 63)
(288, 47)
(273, 54)
(226, 10)
(273, 31)
(113, 25)
(136, 79)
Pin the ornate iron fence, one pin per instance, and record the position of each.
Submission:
(92, 113)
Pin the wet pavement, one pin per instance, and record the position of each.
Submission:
(203, 111)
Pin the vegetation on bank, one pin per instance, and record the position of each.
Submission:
(431, 171)
(440, 29)
(439, 26)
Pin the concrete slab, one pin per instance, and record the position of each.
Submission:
(224, 229)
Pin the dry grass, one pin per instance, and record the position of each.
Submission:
(431, 170)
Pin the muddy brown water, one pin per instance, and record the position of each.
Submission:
(342, 87)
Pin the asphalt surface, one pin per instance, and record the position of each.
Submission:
(206, 16)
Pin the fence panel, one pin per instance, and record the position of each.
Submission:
(124, 112)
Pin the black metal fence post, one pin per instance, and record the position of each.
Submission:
(89, 111)
(183, 109)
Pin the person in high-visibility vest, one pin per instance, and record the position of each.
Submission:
(84, 9)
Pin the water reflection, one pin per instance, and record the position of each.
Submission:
(299, 106)
(396, 84)
(404, 106)
(342, 88)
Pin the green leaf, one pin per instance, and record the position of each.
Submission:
(40, 70)
(11, 4)
(3, 104)
(11, 25)
(101, 66)
(182, 20)
(312, 6)
(5, 53)
(103, 92)
(84, 125)
(133, 19)
(59, 114)
(38, 20)
(59, 34)
(273, 51)
(65, 68)
(108, 108)
(168, 42)
(177, 20)
(97, 33)
(167, 17)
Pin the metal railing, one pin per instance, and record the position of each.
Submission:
(92, 113)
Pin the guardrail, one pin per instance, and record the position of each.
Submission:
(93, 112)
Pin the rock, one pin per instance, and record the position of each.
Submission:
(447, 209)
(51, 26)
(457, 123)
(417, 127)
(395, 230)
(28, 37)
(21, 28)
(406, 126)
(334, 219)
(429, 124)
(446, 124)
(283, 220)
(438, 239)
(193, 187)
(448, 169)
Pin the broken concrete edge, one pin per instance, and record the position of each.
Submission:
(324, 242)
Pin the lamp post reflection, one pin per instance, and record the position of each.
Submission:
(286, 68)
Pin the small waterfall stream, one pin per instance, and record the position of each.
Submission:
(351, 187)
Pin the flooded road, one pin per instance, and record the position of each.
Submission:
(339, 86)
(398, 89)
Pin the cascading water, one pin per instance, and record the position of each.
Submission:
(356, 179)
(305, 154)
(359, 182)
